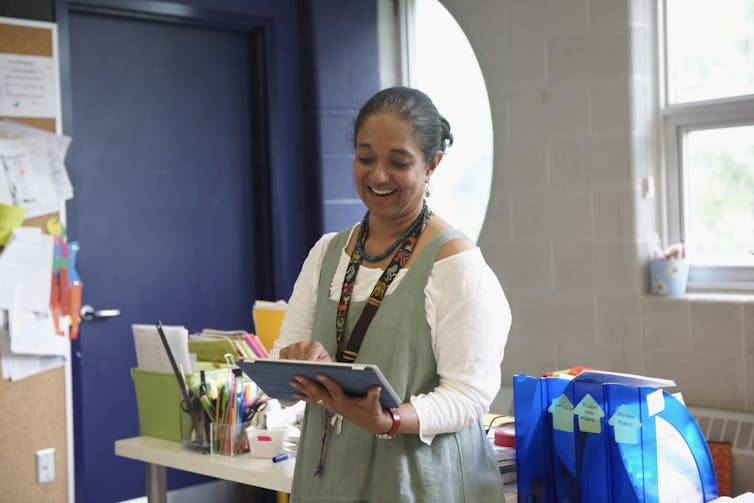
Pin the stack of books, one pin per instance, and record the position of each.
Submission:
(213, 345)
(502, 438)
(506, 463)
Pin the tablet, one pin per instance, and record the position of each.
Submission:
(274, 376)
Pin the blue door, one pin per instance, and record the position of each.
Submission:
(169, 162)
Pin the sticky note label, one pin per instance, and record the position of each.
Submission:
(655, 402)
(590, 414)
(625, 426)
(10, 218)
(561, 409)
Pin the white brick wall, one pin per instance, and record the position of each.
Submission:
(571, 87)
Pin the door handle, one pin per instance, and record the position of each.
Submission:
(88, 313)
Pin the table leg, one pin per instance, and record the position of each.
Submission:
(157, 487)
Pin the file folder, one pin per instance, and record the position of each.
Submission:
(610, 438)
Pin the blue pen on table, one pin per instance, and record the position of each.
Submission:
(279, 458)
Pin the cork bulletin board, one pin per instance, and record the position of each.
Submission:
(32, 410)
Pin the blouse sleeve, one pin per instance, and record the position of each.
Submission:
(470, 318)
(297, 324)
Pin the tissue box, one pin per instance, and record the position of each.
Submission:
(265, 443)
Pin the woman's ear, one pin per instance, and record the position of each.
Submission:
(433, 164)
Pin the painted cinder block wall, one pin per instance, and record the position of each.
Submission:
(574, 107)
(345, 58)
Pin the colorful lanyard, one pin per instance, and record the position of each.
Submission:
(348, 353)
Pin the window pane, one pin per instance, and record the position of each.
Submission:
(720, 195)
(446, 69)
(710, 49)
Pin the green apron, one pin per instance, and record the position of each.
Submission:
(457, 467)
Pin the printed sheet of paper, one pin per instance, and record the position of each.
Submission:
(33, 333)
(17, 367)
(56, 146)
(32, 170)
(28, 86)
(26, 270)
(151, 354)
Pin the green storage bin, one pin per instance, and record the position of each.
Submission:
(158, 400)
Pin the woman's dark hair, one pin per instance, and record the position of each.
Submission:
(430, 129)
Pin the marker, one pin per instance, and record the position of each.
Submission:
(279, 458)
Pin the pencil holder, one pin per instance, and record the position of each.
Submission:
(229, 439)
(669, 276)
(195, 431)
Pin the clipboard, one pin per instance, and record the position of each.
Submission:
(274, 376)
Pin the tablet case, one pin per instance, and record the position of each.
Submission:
(274, 376)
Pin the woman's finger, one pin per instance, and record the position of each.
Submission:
(316, 351)
(332, 387)
(313, 391)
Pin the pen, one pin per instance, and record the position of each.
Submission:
(279, 458)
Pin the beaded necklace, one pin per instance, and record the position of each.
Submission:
(347, 353)
(362, 236)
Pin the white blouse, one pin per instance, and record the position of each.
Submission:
(467, 313)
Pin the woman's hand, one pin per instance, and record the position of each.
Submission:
(314, 351)
(365, 412)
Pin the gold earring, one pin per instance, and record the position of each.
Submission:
(426, 190)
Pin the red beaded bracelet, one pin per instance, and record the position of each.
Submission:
(394, 428)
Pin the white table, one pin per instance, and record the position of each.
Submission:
(159, 454)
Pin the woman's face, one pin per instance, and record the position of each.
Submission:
(389, 168)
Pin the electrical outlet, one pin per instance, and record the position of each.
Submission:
(45, 465)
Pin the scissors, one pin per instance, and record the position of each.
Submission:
(252, 410)
(203, 385)
(198, 420)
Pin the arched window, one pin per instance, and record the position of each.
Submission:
(438, 59)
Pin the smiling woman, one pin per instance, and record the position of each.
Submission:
(411, 294)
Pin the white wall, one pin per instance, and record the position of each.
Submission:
(572, 90)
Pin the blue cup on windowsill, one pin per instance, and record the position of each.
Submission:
(669, 276)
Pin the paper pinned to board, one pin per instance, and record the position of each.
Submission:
(29, 85)
(25, 269)
(33, 333)
(33, 174)
(151, 354)
(17, 367)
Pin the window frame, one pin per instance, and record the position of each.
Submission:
(677, 120)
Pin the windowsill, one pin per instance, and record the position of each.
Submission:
(695, 296)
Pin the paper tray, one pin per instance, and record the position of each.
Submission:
(157, 399)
